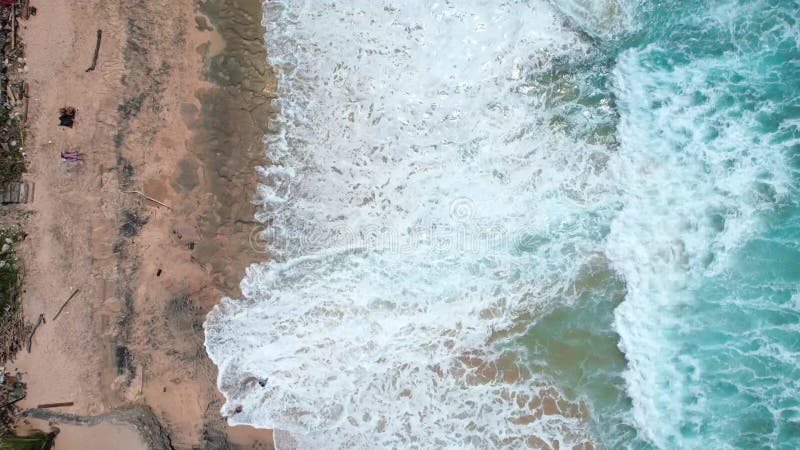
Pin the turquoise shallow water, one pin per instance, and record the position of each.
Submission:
(693, 338)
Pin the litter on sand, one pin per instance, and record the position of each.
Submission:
(67, 116)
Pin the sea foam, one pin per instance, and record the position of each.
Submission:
(443, 174)
(703, 163)
(417, 177)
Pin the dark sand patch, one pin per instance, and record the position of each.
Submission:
(187, 178)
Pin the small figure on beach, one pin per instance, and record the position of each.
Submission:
(71, 156)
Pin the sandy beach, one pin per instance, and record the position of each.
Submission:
(175, 111)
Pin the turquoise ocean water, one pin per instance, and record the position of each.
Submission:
(476, 207)
(710, 318)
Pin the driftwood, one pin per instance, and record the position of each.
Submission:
(13, 18)
(148, 198)
(6, 404)
(33, 330)
(65, 304)
(96, 51)
(10, 94)
(24, 103)
(141, 386)
(54, 405)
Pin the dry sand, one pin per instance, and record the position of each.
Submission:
(176, 109)
(103, 436)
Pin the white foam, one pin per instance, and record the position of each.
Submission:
(603, 19)
(690, 200)
(408, 163)
(413, 152)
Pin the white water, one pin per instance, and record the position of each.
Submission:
(414, 164)
(422, 198)
(690, 201)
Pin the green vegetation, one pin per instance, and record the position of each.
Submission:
(12, 162)
(10, 274)
(35, 440)
(12, 327)
(13, 114)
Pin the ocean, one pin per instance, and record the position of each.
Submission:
(524, 224)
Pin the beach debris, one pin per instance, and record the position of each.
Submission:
(147, 198)
(12, 390)
(11, 402)
(33, 330)
(66, 116)
(96, 51)
(158, 273)
(25, 102)
(15, 192)
(141, 384)
(13, 18)
(54, 405)
(10, 94)
(238, 409)
(65, 304)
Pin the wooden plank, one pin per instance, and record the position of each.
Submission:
(54, 405)
(23, 193)
(13, 19)
(7, 193)
(10, 94)
(25, 102)
(15, 192)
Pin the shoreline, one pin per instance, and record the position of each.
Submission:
(177, 110)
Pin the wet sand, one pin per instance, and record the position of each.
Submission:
(176, 110)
